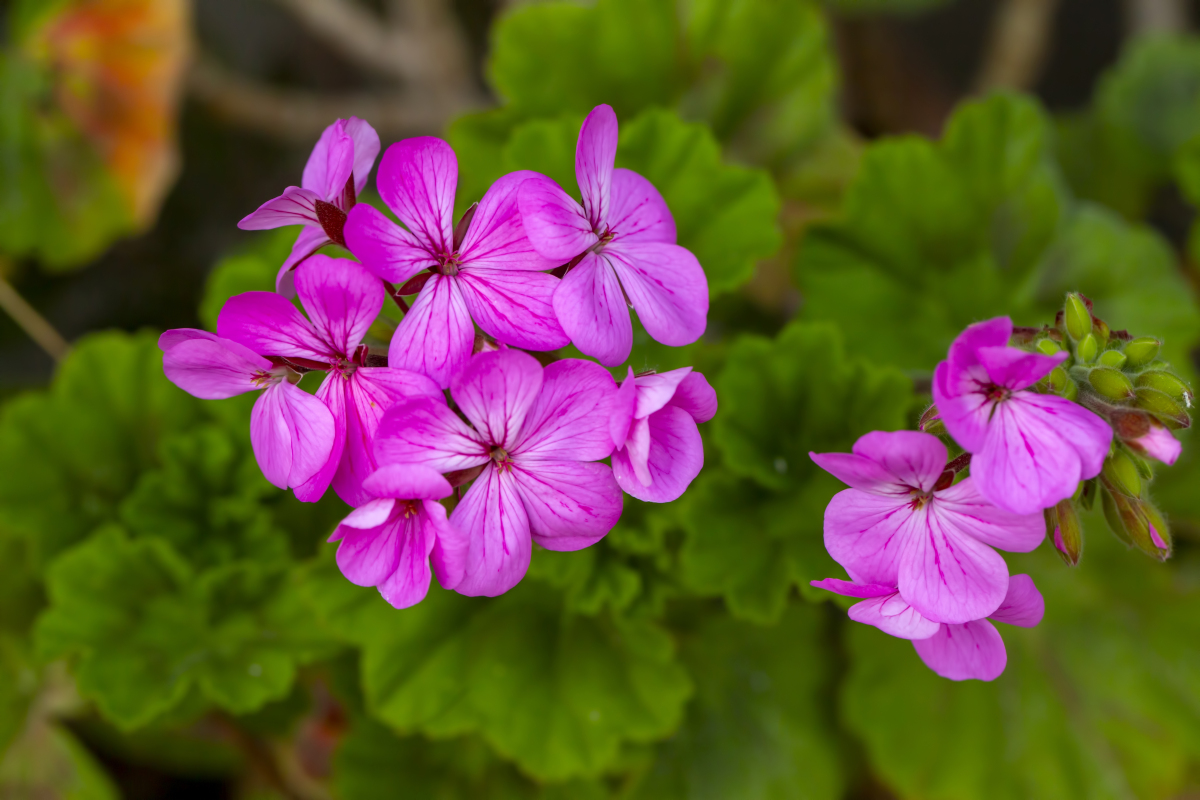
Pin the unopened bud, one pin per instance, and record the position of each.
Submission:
(1101, 331)
(1065, 532)
(1137, 522)
(1166, 408)
(1121, 472)
(931, 422)
(1059, 380)
(1111, 383)
(1086, 350)
(1142, 350)
(1072, 391)
(1077, 317)
(1166, 382)
(1048, 347)
(1113, 358)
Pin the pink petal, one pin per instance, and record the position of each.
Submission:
(331, 163)
(292, 434)
(861, 473)
(675, 457)
(947, 575)
(436, 335)
(623, 407)
(495, 391)
(558, 228)
(963, 403)
(695, 396)
(366, 148)
(450, 547)
(331, 392)
(1016, 369)
(342, 300)
(407, 482)
(666, 286)
(213, 369)
(409, 582)
(894, 616)
(1158, 444)
(1023, 605)
(175, 336)
(964, 652)
(639, 213)
(493, 519)
(594, 156)
(851, 589)
(656, 390)
(591, 307)
(915, 459)
(384, 247)
(965, 509)
(417, 178)
(634, 455)
(367, 556)
(570, 505)
(311, 239)
(426, 432)
(568, 419)
(515, 307)
(994, 332)
(865, 533)
(271, 326)
(370, 514)
(496, 236)
(295, 206)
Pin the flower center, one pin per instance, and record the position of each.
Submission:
(500, 456)
(448, 264)
(408, 508)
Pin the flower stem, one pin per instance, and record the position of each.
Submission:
(32, 322)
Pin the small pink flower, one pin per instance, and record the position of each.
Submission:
(621, 251)
(488, 274)
(1158, 444)
(970, 650)
(659, 450)
(533, 438)
(389, 541)
(902, 524)
(1030, 450)
(334, 177)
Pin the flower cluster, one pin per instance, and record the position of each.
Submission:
(456, 414)
(1044, 419)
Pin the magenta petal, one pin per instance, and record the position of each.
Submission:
(427, 432)
(964, 403)
(175, 336)
(270, 326)
(1158, 444)
(1016, 369)
(851, 589)
(436, 335)
(894, 616)
(408, 583)
(495, 391)
(656, 390)
(623, 407)
(332, 392)
(591, 307)
(385, 248)
(496, 236)
(1023, 605)
(963, 507)
(595, 153)
(675, 458)
(213, 369)
(1087, 433)
(370, 514)
(568, 419)
(557, 227)
(342, 300)
(417, 178)
(366, 149)
(947, 575)
(450, 548)
(695, 396)
(493, 518)
(407, 482)
(964, 652)
(865, 533)
(639, 213)
(570, 505)
(515, 307)
(311, 239)
(861, 473)
(368, 556)
(994, 332)
(295, 206)
(634, 456)
(292, 434)
(331, 163)
(915, 459)
(666, 286)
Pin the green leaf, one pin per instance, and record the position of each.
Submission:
(251, 270)
(556, 692)
(884, 6)
(758, 727)
(754, 526)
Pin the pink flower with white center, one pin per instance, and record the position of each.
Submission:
(484, 271)
(334, 177)
(971, 650)
(342, 300)
(1158, 444)
(291, 432)
(903, 524)
(659, 450)
(620, 250)
(532, 437)
(1030, 450)
(389, 541)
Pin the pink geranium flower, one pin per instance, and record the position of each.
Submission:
(334, 177)
(388, 542)
(342, 300)
(486, 271)
(1030, 450)
(621, 251)
(959, 652)
(659, 450)
(291, 432)
(903, 524)
(532, 436)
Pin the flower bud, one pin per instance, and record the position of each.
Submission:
(1121, 472)
(1086, 350)
(1142, 351)
(1166, 382)
(1113, 358)
(1065, 532)
(1101, 332)
(1111, 383)
(1157, 443)
(1137, 522)
(1072, 391)
(1059, 380)
(1048, 347)
(1163, 406)
(1077, 317)
(931, 422)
